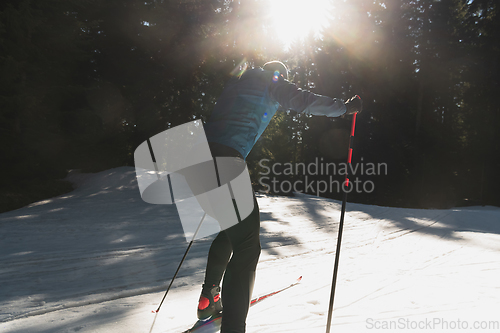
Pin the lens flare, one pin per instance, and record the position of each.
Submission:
(276, 76)
(240, 68)
(264, 117)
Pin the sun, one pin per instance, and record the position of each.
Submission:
(295, 19)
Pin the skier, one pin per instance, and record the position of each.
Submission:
(240, 115)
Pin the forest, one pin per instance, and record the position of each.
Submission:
(84, 82)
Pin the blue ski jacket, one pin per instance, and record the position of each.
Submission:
(248, 103)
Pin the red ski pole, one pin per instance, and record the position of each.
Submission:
(341, 225)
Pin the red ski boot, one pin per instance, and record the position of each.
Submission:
(210, 302)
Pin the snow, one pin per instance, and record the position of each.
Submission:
(99, 260)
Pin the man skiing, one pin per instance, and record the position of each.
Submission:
(240, 115)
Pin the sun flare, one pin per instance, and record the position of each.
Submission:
(295, 19)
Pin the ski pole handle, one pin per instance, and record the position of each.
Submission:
(349, 153)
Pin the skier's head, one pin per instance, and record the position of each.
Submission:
(276, 66)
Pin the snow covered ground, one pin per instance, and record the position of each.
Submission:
(99, 259)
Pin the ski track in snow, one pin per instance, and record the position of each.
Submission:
(98, 259)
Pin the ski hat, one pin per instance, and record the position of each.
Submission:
(276, 66)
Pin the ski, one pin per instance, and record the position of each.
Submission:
(209, 325)
(263, 297)
(213, 323)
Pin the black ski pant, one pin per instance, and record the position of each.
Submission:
(242, 240)
(234, 254)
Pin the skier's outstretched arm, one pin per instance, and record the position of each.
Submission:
(291, 97)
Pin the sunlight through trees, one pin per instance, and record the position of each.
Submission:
(84, 82)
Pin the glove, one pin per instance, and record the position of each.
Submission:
(353, 105)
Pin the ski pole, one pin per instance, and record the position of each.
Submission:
(194, 236)
(180, 264)
(341, 226)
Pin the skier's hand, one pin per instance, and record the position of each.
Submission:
(353, 105)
